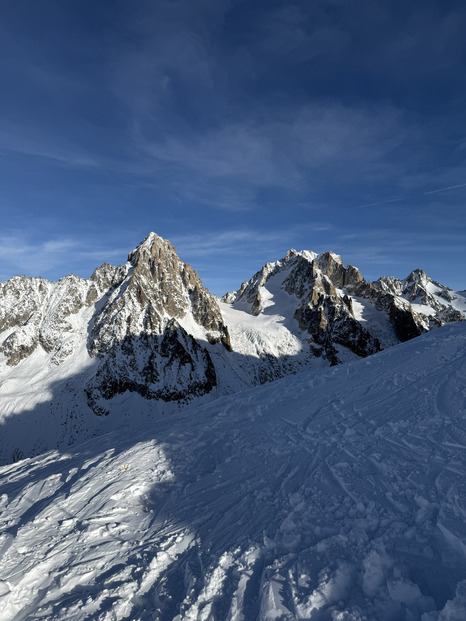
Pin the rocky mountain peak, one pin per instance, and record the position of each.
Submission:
(148, 330)
(326, 264)
(149, 323)
(336, 307)
(153, 250)
(418, 275)
(305, 273)
(321, 310)
(333, 267)
(328, 258)
(434, 304)
(158, 287)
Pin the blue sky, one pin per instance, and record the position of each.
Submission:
(237, 129)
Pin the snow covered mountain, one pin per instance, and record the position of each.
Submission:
(332, 495)
(135, 328)
(147, 337)
(69, 349)
(329, 310)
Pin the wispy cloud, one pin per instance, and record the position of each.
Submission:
(414, 196)
(451, 187)
(220, 243)
(302, 149)
(34, 255)
(38, 143)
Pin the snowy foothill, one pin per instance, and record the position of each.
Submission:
(332, 495)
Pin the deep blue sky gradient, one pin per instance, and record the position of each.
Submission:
(237, 129)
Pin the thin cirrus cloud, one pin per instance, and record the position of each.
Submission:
(309, 147)
(33, 257)
(21, 252)
(46, 147)
(405, 198)
(227, 242)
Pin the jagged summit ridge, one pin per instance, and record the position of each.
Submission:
(322, 312)
(157, 288)
(336, 307)
(328, 263)
(155, 291)
(152, 288)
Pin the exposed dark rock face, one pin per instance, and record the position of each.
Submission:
(170, 367)
(418, 288)
(397, 309)
(324, 313)
(351, 334)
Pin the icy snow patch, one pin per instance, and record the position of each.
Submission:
(263, 334)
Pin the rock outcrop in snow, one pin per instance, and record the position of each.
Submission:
(432, 304)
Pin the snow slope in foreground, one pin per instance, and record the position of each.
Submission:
(337, 496)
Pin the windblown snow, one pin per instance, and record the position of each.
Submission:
(336, 495)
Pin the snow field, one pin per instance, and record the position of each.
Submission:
(274, 331)
(338, 495)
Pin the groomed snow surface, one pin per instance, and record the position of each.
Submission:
(336, 495)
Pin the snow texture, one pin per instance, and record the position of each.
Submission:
(332, 495)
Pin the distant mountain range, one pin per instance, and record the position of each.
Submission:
(140, 340)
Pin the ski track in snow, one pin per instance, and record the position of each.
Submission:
(337, 495)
